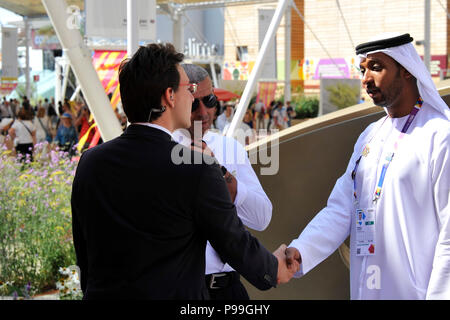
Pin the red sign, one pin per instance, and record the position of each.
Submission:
(36, 78)
(438, 63)
(7, 87)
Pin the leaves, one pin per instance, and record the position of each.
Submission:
(343, 95)
(306, 107)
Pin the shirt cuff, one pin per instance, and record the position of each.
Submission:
(241, 193)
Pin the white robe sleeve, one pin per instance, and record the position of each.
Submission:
(439, 285)
(252, 204)
(331, 226)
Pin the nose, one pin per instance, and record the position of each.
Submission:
(202, 109)
(367, 77)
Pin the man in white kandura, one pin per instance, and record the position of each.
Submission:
(393, 199)
(252, 204)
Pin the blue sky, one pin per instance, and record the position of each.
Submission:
(8, 16)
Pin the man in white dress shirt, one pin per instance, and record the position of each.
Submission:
(393, 199)
(225, 117)
(252, 204)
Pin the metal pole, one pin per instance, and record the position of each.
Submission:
(81, 62)
(178, 31)
(57, 82)
(427, 42)
(132, 27)
(287, 54)
(66, 70)
(75, 93)
(214, 75)
(27, 58)
(251, 83)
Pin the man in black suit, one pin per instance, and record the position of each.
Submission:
(141, 221)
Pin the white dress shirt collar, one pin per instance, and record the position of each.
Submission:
(152, 125)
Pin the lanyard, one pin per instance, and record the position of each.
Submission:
(389, 157)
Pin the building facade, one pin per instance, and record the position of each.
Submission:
(324, 46)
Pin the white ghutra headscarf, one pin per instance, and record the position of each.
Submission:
(407, 56)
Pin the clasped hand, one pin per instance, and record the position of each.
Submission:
(288, 263)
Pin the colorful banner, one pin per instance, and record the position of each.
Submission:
(107, 63)
(335, 68)
(266, 92)
(6, 87)
(84, 138)
(237, 70)
(311, 68)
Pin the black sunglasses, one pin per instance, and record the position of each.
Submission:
(209, 101)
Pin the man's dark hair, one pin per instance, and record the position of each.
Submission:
(145, 77)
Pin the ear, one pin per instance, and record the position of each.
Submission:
(169, 97)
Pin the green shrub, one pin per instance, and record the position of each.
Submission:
(306, 107)
(343, 95)
(35, 221)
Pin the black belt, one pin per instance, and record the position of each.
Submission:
(221, 280)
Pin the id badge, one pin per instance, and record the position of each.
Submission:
(365, 232)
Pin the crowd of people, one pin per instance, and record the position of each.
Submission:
(24, 125)
(258, 118)
(62, 124)
(276, 115)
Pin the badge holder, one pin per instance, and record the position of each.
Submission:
(365, 232)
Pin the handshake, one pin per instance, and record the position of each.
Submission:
(289, 260)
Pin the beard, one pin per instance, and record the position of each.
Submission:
(388, 97)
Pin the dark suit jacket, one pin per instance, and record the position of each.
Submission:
(141, 222)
